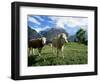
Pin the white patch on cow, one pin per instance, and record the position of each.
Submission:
(43, 40)
(63, 36)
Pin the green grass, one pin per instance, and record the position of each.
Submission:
(74, 53)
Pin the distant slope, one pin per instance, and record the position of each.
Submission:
(50, 34)
(53, 32)
(33, 34)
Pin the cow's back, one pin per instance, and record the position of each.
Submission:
(35, 43)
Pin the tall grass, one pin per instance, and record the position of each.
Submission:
(74, 53)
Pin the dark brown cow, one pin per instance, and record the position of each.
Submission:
(36, 44)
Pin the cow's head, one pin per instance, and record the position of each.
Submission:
(63, 36)
(44, 40)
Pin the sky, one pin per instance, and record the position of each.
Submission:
(71, 24)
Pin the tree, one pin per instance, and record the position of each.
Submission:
(81, 36)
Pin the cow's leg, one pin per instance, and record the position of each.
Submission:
(28, 51)
(62, 51)
(57, 52)
(33, 51)
(53, 50)
(39, 50)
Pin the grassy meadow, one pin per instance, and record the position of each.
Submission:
(74, 53)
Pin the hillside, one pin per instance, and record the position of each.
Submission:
(33, 34)
(53, 32)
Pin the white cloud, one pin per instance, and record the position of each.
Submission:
(54, 18)
(38, 29)
(33, 20)
(60, 22)
(71, 22)
(84, 27)
(44, 28)
(41, 29)
(41, 19)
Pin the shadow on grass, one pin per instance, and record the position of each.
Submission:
(44, 60)
(32, 60)
(49, 59)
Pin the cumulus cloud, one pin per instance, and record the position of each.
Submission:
(71, 22)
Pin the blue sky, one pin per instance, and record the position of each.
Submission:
(70, 23)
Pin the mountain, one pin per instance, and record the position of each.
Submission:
(50, 34)
(53, 32)
(33, 34)
(72, 38)
(71, 31)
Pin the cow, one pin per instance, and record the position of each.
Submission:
(36, 44)
(58, 43)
